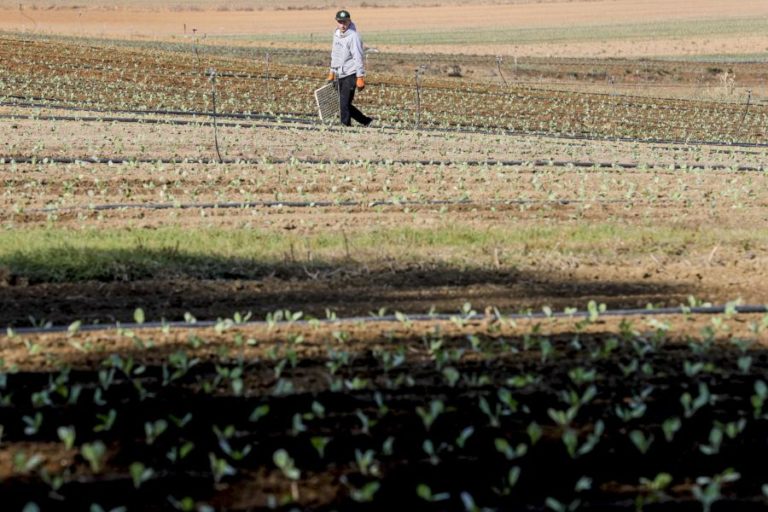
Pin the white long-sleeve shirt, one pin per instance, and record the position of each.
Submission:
(347, 53)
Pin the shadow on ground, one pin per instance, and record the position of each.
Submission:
(108, 287)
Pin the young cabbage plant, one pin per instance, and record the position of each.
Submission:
(652, 490)
(424, 492)
(641, 440)
(220, 468)
(429, 416)
(708, 490)
(140, 473)
(94, 453)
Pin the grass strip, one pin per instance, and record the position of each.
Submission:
(66, 255)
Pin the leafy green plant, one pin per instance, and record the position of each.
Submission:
(140, 473)
(94, 453)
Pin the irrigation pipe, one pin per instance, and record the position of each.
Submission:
(582, 164)
(399, 318)
(333, 204)
(312, 124)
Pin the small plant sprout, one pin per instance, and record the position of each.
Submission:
(691, 405)
(153, 430)
(570, 439)
(534, 432)
(506, 449)
(641, 440)
(224, 437)
(258, 413)
(364, 494)
(670, 426)
(74, 328)
(594, 310)
(24, 464)
(67, 436)
(428, 417)
(424, 492)
(177, 453)
(32, 424)
(319, 443)
(708, 489)
(758, 399)
(220, 468)
(715, 441)
(366, 462)
(140, 473)
(652, 490)
(106, 421)
(464, 435)
(508, 482)
(285, 463)
(557, 506)
(94, 453)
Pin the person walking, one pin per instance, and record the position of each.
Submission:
(348, 68)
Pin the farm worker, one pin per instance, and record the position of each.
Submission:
(348, 68)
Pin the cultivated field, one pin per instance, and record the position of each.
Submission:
(536, 283)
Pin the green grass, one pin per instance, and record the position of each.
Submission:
(59, 255)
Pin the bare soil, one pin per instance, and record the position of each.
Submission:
(132, 23)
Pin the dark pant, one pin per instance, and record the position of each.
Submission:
(348, 110)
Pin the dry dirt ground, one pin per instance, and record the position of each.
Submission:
(138, 23)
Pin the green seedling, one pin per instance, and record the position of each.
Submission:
(428, 417)
(641, 440)
(319, 443)
(94, 453)
(366, 462)
(715, 441)
(424, 492)
(708, 490)
(178, 453)
(464, 435)
(285, 463)
(154, 429)
(506, 449)
(67, 436)
(364, 494)
(106, 421)
(691, 405)
(429, 448)
(652, 490)
(140, 473)
(258, 413)
(24, 464)
(220, 468)
(670, 427)
(33, 423)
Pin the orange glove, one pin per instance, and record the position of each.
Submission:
(360, 83)
(331, 76)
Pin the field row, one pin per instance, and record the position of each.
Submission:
(439, 415)
(127, 79)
